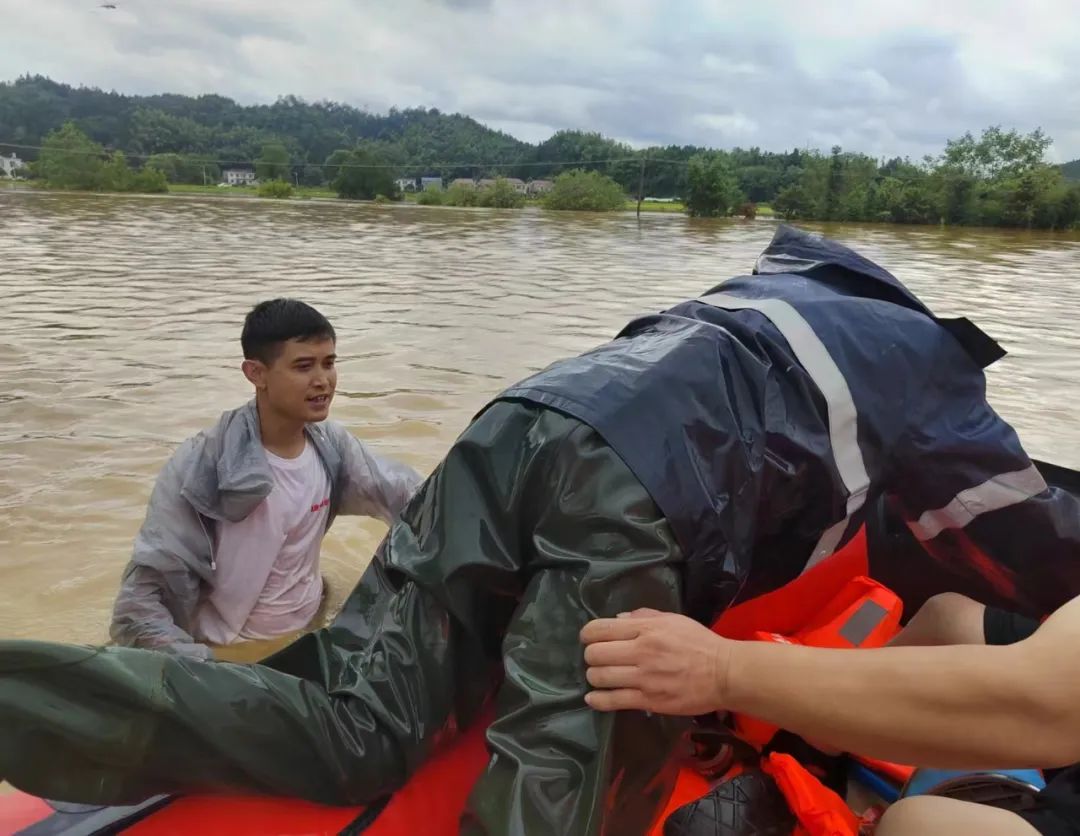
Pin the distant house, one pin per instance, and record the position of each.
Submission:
(515, 184)
(10, 165)
(406, 184)
(538, 187)
(239, 176)
(434, 183)
(463, 182)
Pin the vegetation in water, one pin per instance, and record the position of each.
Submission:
(278, 189)
(585, 191)
(360, 175)
(273, 162)
(498, 195)
(999, 178)
(501, 195)
(712, 188)
(430, 197)
(69, 159)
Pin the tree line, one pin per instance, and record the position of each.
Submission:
(999, 178)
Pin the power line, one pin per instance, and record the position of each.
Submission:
(405, 165)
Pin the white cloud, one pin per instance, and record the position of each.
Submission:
(896, 78)
(729, 127)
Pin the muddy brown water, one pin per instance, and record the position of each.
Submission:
(119, 337)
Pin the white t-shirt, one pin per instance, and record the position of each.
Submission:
(267, 581)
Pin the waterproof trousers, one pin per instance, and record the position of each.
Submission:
(530, 527)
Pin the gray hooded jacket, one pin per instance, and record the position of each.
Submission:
(222, 474)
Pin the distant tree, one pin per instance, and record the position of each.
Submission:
(278, 189)
(461, 195)
(759, 182)
(834, 186)
(958, 192)
(116, 175)
(1069, 208)
(996, 152)
(332, 166)
(273, 162)
(906, 202)
(430, 197)
(1028, 194)
(501, 195)
(711, 186)
(312, 175)
(585, 191)
(153, 130)
(792, 203)
(362, 175)
(70, 160)
(185, 168)
(150, 181)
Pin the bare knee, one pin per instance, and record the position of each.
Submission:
(947, 618)
(909, 816)
(929, 815)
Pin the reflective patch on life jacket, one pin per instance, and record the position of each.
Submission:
(862, 623)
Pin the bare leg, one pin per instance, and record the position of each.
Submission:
(945, 619)
(928, 815)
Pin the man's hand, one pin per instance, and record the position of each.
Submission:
(654, 661)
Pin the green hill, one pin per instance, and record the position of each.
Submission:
(219, 128)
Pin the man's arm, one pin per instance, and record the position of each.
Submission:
(375, 486)
(160, 586)
(959, 707)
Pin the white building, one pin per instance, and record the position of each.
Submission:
(434, 183)
(238, 176)
(537, 187)
(406, 184)
(10, 165)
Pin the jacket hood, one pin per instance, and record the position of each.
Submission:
(796, 251)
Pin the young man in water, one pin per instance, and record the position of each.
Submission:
(229, 550)
(963, 686)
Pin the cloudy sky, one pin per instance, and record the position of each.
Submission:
(891, 77)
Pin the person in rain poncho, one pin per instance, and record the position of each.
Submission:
(229, 550)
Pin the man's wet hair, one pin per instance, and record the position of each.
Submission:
(271, 323)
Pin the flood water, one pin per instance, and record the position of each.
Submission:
(119, 337)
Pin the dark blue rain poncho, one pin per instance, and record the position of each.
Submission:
(707, 454)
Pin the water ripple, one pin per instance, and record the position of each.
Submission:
(119, 338)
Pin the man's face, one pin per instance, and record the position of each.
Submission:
(301, 380)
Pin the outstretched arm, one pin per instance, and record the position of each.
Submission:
(960, 706)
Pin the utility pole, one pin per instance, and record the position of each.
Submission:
(641, 187)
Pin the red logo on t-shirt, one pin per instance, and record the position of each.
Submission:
(318, 506)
